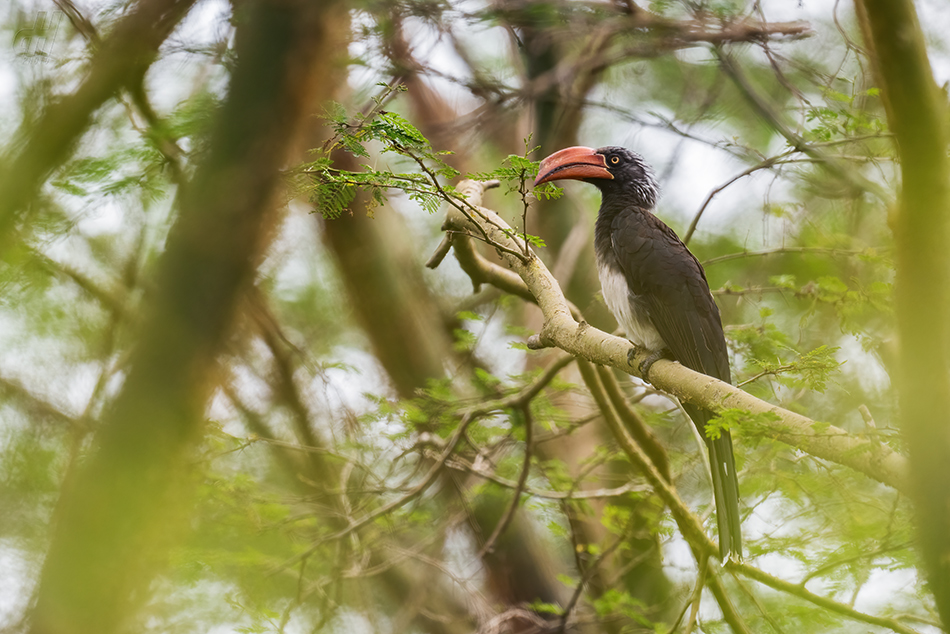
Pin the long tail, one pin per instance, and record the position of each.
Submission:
(725, 485)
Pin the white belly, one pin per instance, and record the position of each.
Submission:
(621, 302)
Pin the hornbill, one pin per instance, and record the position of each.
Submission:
(657, 291)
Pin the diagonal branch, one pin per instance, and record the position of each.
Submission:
(833, 444)
(579, 338)
(801, 592)
(689, 525)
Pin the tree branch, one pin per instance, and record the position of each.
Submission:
(561, 330)
(800, 591)
(519, 488)
(634, 423)
(834, 165)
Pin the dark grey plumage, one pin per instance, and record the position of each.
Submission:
(658, 292)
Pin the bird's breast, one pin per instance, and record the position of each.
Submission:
(628, 309)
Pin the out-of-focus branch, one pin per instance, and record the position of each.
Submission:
(35, 405)
(713, 31)
(80, 22)
(121, 512)
(503, 523)
(840, 169)
(111, 298)
(766, 164)
(917, 114)
(120, 60)
(689, 525)
(799, 590)
(167, 146)
(663, 36)
(583, 494)
(634, 423)
(671, 35)
(415, 491)
(560, 329)
(318, 471)
(780, 250)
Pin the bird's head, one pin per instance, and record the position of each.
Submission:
(614, 170)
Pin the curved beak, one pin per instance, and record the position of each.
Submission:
(574, 162)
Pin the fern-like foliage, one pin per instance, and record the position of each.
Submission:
(334, 189)
(427, 178)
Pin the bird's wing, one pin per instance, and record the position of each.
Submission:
(670, 283)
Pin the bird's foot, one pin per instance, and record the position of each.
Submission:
(647, 363)
(632, 353)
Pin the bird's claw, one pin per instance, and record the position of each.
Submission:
(647, 363)
(632, 354)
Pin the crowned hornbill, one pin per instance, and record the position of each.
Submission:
(658, 292)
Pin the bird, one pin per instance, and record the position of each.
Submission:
(657, 290)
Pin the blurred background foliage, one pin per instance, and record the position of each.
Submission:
(367, 456)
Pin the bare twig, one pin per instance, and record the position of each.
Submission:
(509, 515)
(836, 167)
(418, 489)
(767, 163)
(781, 250)
(584, 494)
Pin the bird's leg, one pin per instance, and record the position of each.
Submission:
(647, 363)
(644, 367)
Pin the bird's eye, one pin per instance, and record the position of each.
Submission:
(614, 160)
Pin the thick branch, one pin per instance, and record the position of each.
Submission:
(581, 339)
(591, 344)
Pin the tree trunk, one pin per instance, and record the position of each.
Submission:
(118, 517)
